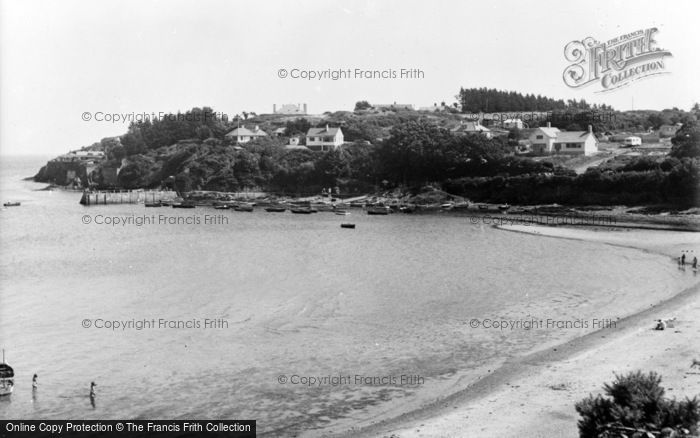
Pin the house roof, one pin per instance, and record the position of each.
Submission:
(245, 132)
(550, 132)
(471, 127)
(572, 136)
(322, 131)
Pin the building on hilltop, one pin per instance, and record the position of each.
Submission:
(553, 141)
(290, 109)
(244, 135)
(324, 139)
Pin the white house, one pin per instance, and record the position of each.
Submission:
(324, 139)
(553, 141)
(513, 123)
(472, 128)
(244, 135)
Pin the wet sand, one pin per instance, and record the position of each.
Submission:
(535, 395)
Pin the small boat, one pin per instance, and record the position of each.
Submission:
(378, 210)
(483, 207)
(503, 207)
(447, 206)
(243, 207)
(7, 377)
(184, 204)
(11, 204)
(302, 210)
(152, 204)
(165, 203)
(406, 209)
(342, 212)
(347, 225)
(276, 209)
(222, 207)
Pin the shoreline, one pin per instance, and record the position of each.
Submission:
(487, 406)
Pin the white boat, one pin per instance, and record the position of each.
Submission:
(7, 377)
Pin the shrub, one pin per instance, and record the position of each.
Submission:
(634, 405)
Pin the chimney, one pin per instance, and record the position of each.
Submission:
(304, 108)
(549, 124)
(590, 129)
(274, 108)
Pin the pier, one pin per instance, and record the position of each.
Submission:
(104, 197)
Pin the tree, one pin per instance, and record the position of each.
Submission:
(362, 105)
(686, 142)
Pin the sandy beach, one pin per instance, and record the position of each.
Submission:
(534, 396)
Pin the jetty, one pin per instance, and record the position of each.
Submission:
(104, 197)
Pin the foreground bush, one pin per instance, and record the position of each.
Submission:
(634, 406)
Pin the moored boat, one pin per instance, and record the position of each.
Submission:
(7, 377)
(184, 204)
(243, 207)
(152, 204)
(342, 212)
(11, 204)
(222, 207)
(302, 210)
(276, 209)
(378, 210)
(347, 225)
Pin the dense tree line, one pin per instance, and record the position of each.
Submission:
(488, 100)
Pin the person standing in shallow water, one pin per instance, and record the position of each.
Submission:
(35, 384)
(683, 259)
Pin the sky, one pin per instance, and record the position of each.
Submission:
(59, 60)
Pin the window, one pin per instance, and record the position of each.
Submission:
(540, 137)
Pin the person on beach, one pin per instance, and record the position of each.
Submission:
(92, 390)
(35, 384)
(695, 263)
(660, 325)
(683, 259)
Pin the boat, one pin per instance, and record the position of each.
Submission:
(243, 207)
(447, 206)
(222, 207)
(504, 207)
(378, 210)
(7, 377)
(347, 225)
(11, 204)
(342, 212)
(276, 209)
(184, 204)
(406, 209)
(483, 207)
(152, 204)
(302, 210)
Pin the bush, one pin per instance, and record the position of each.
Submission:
(634, 405)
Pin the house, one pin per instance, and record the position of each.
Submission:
(290, 109)
(669, 130)
(244, 135)
(279, 132)
(81, 156)
(393, 106)
(324, 139)
(513, 123)
(294, 144)
(553, 141)
(472, 128)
